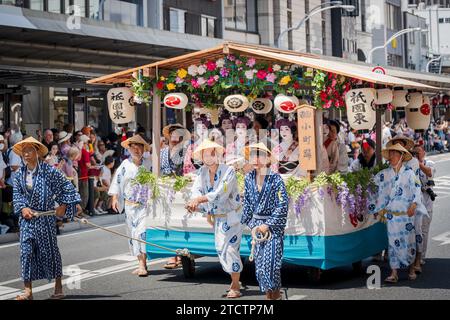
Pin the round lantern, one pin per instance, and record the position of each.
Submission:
(360, 108)
(418, 112)
(384, 96)
(400, 98)
(445, 100)
(236, 103)
(286, 104)
(261, 105)
(121, 105)
(176, 100)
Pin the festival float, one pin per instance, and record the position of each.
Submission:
(328, 224)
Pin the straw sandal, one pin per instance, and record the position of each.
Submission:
(57, 296)
(24, 297)
(233, 294)
(391, 279)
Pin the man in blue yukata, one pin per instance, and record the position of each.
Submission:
(39, 187)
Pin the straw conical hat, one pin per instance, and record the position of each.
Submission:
(206, 144)
(137, 139)
(166, 131)
(40, 148)
(396, 147)
(256, 146)
(408, 141)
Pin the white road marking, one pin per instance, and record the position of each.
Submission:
(68, 235)
(84, 275)
(443, 237)
(296, 297)
(6, 290)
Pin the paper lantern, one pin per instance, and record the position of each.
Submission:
(435, 101)
(286, 104)
(445, 100)
(418, 112)
(176, 100)
(360, 108)
(121, 105)
(261, 105)
(384, 96)
(400, 98)
(236, 103)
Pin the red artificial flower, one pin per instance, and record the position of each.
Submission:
(211, 65)
(337, 95)
(241, 80)
(261, 74)
(270, 69)
(323, 96)
(160, 85)
(296, 85)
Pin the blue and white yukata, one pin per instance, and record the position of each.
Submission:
(268, 206)
(395, 193)
(135, 212)
(40, 190)
(426, 219)
(172, 164)
(223, 199)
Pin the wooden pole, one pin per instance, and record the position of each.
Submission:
(156, 131)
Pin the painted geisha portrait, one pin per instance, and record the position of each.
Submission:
(286, 153)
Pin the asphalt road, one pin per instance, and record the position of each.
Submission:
(101, 266)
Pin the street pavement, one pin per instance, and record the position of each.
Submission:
(100, 268)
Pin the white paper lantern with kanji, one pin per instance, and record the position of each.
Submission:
(360, 108)
(384, 96)
(236, 103)
(400, 98)
(261, 105)
(286, 104)
(121, 105)
(418, 112)
(176, 100)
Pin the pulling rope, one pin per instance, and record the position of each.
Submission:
(255, 239)
(179, 252)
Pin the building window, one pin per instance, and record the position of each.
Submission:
(447, 20)
(37, 5)
(412, 38)
(289, 22)
(54, 6)
(208, 26)
(441, 20)
(177, 20)
(393, 17)
(240, 15)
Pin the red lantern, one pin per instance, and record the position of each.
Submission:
(445, 100)
(425, 109)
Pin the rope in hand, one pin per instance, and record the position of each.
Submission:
(255, 239)
(180, 252)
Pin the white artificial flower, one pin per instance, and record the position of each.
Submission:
(276, 67)
(201, 69)
(193, 70)
(249, 74)
(220, 63)
(294, 66)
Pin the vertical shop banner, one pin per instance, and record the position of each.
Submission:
(306, 137)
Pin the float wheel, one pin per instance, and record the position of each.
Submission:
(357, 267)
(314, 274)
(188, 264)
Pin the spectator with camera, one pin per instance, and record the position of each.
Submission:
(426, 174)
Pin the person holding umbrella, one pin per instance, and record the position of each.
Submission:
(37, 186)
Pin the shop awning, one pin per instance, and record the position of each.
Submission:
(265, 54)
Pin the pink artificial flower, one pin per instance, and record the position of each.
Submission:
(333, 83)
(224, 72)
(271, 77)
(238, 62)
(194, 83)
(328, 104)
(231, 57)
(211, 65)
(178, 80)
(216, 77)
(261, 74)
(211, 81)
(251, 62)
(201, 80)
